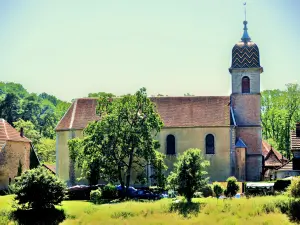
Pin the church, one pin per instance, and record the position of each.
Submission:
(226, 128)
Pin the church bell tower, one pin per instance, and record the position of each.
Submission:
(246, 149)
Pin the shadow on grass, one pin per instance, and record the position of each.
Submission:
(51, 216)
(186, 209)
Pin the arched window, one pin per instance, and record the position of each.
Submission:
(171, 145)
(210, 144)
(246, 85)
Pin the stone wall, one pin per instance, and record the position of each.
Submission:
(10, 156)
(238, 74)
(185, 138)
(246, 108)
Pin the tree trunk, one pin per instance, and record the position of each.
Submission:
(128, 175)
(121, 182)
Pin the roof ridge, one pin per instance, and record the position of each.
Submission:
(73, 114)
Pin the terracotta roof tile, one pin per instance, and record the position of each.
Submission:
(174, 111)
(8, 133)
(286, 167)
(295, 141)
(50, 167)
(272, 156)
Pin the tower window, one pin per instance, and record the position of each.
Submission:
(210, 144)
(246, 85)
(171, 144)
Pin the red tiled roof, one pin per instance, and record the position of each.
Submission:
(286, 167)
(50, 167)
(174, 111)
(8, 133)
(295, 141)
(272, 156)
(80, 113)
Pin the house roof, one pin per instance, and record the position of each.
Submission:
(50, 167)
(188, 111)
(286, 167)
(295, 141)
(8, 133)
(272, 156)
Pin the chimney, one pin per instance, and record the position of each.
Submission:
(298, 129)
(22, 132)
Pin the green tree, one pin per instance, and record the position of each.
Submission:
(294, 188)
(123, 140)
(46, 150)
(101, 94)
(190, 173)
(279, 112)
(10, 108)
(218, 189)
(38, 188)
(29, 130)
(232, 187)
(31, 109)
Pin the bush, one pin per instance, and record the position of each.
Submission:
(281, 185)
(232, 187)
(218, 189)
(294, 188)
(38, 188)
(207, 191)
(96, 196)
(190, 172)
(109, 191)
(294, 209)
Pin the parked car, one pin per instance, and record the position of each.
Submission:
(144, 194)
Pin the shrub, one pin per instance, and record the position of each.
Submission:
(95, 196)
(207, 190)
(232, 187)
(294, 188)
(218, 189)
(190, 173)
(109, 191)
(38, 188)
(281, 185)
(294, 209)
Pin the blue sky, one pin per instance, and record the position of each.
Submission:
(72, 48)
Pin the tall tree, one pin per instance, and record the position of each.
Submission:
(10, 108)
(280, 110)
(123, 139)
(29, 130)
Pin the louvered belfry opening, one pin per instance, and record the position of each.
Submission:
(245, 85)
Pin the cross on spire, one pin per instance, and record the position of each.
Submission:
(245, 38)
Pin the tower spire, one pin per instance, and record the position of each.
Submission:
(245, 38)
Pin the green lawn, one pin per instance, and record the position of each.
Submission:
(204, 211)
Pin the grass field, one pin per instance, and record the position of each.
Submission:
(254, 211)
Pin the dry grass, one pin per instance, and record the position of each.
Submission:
(256, 211)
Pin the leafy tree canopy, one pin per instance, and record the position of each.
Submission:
(190, 173)
(123, 140)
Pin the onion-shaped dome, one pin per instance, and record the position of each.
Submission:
(245, 54)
